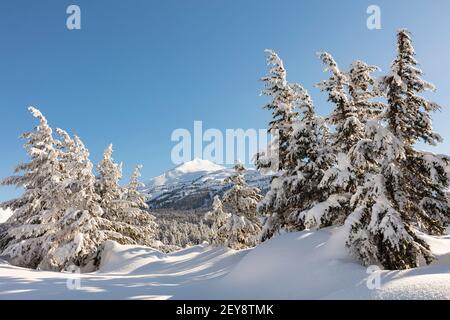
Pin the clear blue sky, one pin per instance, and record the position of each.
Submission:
(139, 69)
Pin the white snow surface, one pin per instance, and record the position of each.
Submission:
(4, 215)
(301, 265)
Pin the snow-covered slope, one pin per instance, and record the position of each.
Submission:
(193, 185)
(302, 265)
(4, 215)
(315, 265)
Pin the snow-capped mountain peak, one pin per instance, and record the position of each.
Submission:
(193, 184)
(198, 165)
(185, 172)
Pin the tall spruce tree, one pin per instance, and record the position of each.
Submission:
(423, 175)
(41, 174)
(275, 158)
(283, 115)
(409, 114)
(34, 209)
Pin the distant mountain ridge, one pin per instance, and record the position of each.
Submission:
(193, 185)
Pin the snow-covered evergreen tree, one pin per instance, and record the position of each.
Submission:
(284, 104)
(425, 177)
(135, 212)
(353, 95)
(283, 114)
(243, 224)
(241, 198)
(338, 178)
(348, 128)
(107, 185)
(409, 114)
(363, 89)
(233, 230)
(216, 219)
(40, 175)
(295, 199)
(310, 204)
(380, 230)
(58, 221)
(55, 223)
(34, 210)
(403, 188)
(429, 176)
(78, 228)
(124, 207)
(132, 190)
(238, 232)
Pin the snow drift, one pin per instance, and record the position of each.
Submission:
(315, 265)
(301, 265)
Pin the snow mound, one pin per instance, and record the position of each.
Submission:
(315, 265)
(129, 259)
(5, 214)
(139, 260)
(301, 265)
